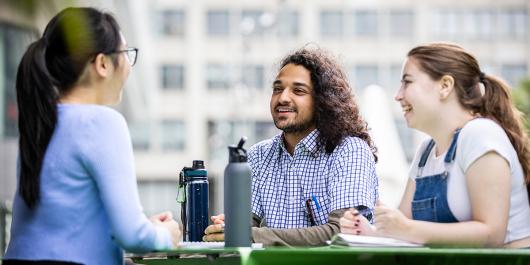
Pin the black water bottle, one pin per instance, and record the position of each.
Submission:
(193, 196)
(237, 192)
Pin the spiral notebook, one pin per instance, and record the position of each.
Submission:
(370, 241)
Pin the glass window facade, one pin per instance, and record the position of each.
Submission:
(366, 24)
(13, 44)
(173, 22)
(288, 23)
(218, 76)
(173, 135)
(218, 23)
(331, 23)
(514, 73)
(172, 76)
(253, 76)
(401, 23)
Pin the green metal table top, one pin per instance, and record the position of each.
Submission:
(337, 255)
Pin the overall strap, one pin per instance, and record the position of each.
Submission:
(451, 153)
(426, 153)
(424, 157)
(449, 157)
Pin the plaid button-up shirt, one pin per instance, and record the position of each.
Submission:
(281, 183)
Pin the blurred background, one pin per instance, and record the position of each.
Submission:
(205, 67)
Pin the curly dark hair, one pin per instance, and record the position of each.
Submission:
(336, 112)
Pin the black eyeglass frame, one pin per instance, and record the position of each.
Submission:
(128, 51)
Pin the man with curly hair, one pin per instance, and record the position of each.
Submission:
(321, 164)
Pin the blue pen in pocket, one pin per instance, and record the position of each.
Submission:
(316, 201)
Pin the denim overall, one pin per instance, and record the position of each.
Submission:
(430, 198)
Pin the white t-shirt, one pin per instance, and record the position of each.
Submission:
(478, 137)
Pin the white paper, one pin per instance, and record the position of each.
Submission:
(370, 241)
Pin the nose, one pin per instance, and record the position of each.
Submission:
(399, 94)
(285, 96)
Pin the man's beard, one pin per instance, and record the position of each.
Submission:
(295, 127)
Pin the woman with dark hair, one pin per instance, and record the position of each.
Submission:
(468, 184)
(77, 200)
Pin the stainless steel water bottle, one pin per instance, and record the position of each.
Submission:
(237, 192)
(193, 196)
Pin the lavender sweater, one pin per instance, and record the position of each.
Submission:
(89, 208)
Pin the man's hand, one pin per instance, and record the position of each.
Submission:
(215, 232)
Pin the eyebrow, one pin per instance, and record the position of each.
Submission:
(405, 75)
(278, 82)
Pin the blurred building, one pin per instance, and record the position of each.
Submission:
(205, 68)
(213, 63)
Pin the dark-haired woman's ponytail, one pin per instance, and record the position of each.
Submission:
(37, 107)
(498, 106)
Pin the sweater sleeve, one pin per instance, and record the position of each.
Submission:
(108, 157)
(310, 236)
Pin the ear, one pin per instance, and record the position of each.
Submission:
(447, 84)
(103, 65)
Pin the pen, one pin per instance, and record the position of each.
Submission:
(310, 212)
(316, 201)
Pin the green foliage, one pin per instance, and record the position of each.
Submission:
(521, 98)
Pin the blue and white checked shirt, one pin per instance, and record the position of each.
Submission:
(282, 183)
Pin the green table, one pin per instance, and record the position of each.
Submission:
(338, 255)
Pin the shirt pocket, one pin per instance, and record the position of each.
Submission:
(320, 211)
(424, 209)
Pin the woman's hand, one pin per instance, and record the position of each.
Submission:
(391, 222)
(166, 220)
(352, 222)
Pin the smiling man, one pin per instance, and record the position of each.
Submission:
(321, 164)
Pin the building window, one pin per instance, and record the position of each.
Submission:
(253, 22)
(512, 24)
(481, 24)
(13, 44)
(140, 134)
(365, 75)
(218, 23)
(173, 22)
(264, 130)
(288, 23)
(445, 24)
(172, 76)
(394, 78)
(158, 196)
(253, 76)
(173, 135)
(218, 76)
(366, 23)
(222, 133)
(484, 22)
(514, 73)
(401, 23)
(331, 23)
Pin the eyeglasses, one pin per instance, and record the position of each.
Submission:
(132, 54)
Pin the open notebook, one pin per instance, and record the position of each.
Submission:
(369, 241)
(215, 245)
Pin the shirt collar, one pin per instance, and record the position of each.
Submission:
(309, 143)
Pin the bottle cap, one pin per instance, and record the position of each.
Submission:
(237, 153)
(198, 164)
